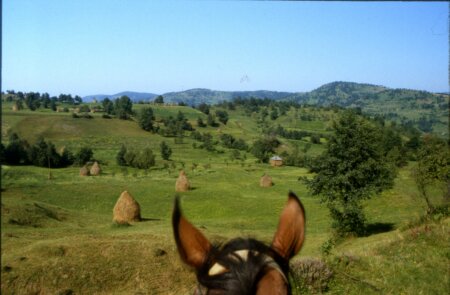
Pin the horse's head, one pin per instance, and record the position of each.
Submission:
(242, 266)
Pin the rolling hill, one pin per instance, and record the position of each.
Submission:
(135, 96)
(425, 110)
(58, 238)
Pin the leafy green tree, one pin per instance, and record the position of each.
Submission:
(315, 138)
(200, 122)
(222, 116)
(83, 156)
(274, 114)
(16, 152)
(159, 99)
(211, 121)
(2, 153)
(166, 151)
(123, 107)
(67, 158)
(352, 168)
(43, 154)
(146, 118)
(130, 158)
(204, 108)
(144, 160)
(53, 105)
(262, 149)
(85, 108)
(120, 157)
(433, 166)
(108, 106)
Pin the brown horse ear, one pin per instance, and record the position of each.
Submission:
(191, 243)
(290, 234)
(272, 283)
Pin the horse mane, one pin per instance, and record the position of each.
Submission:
(242, 276)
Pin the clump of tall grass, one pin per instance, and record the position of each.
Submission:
(311, 275)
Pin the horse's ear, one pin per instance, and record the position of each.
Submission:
(272, 283)
(191, 243)
(290, 234)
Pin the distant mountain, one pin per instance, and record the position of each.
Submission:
(193, 96)
(424, 110)
(350, 94)
(201, 95)
(134, 96)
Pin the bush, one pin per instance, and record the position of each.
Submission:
(83, 156)
(16, 151)
(311, 275)
(315, 139)
(142, 160)
(166, 151)
(146, 118)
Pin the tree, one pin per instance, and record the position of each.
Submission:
(315, 138)
(43, 154)
(16, 151)
(84, 155)
(263, 148)
(274, 114)
(108, 106)
(2, 153)
(53, 105)
(123, 107)
(352, 168)
(159, 99)
(120, 157)
(433, 166)
(166, 151)
(200, 122)
(222, 116)
(204, 108)
(211, 121)
(145, 119)
(144, 160)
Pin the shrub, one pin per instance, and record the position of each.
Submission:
(142, 160)
(311, 275)
(166, 151)
(84, 155)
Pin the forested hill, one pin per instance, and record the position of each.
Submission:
(193, 96)
(201, 95)
(135, 96)
(349, 94)
(425, 110)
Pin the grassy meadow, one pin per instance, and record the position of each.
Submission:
(58, 237)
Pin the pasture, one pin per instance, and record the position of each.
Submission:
(58, 236)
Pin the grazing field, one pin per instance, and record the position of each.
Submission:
(58, 236)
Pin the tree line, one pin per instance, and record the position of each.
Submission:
(42, 154)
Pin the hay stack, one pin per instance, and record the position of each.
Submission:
(266, 181)
(95, 169)
(84, 171)
(182, 184)
(126, 209)
(15, 108)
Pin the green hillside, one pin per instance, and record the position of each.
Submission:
(424, 110)
(58, 236)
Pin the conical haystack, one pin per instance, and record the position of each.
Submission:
(182, 184)
(15, 108)
(126, 209)
(95, 169)
(84, 171)
(266, 181)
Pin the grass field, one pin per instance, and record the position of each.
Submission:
(58, 236)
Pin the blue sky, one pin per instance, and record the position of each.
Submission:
(91, 46)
